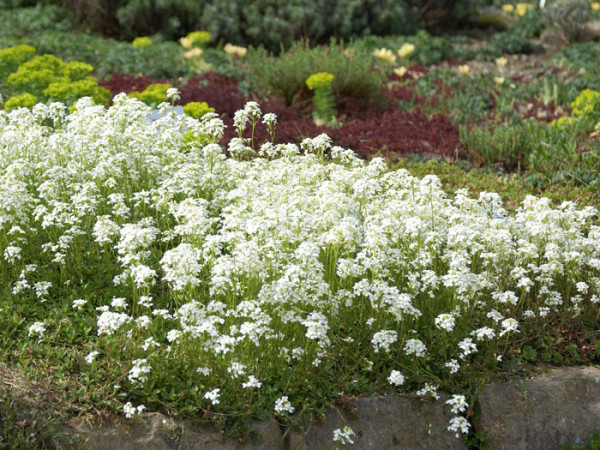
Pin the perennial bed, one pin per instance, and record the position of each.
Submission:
(280, 279)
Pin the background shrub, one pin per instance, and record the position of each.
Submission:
(285, 76)
(264, 22)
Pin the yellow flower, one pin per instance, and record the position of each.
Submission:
(185, 43)
(523, 7)
(499, 80)
(595, 6)
(385, 54)
(508, 8)
(463, 70)
(235, 50)
(193, 53)
(319, 80)
(406, 50)
(501, 62)
(563, 122)
(143, 41)
(400, 71)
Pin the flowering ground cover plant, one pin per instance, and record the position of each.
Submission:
(273, 281)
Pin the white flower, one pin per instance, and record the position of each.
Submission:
(79, 304)
(213, 396)
(173, 94)
(139, 370)
(445, 322)
(509, 325)
(383, 339)
(118, 303)
(459, 425)
(252, 383)
(344, 436)
(91, 356)
(415, 347)
(396, 378)
(38, 328)
(453, 365)
(131, 411)
(467, 347)
(283, 405)
(430, 390)
(458, 404)
(109, 322)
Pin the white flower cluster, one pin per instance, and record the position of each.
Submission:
(239, 262)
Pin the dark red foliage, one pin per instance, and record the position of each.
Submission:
(219, 91)
(125, 83)
(368, 128)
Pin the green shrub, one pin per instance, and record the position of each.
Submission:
(153, 95)
(265, 22)
(567, 18)
(20, 101)
(509, 145)
(512, 43)
(531, 24)
(197, 109)
(108, 56)
(11, 58)
(285, 76)
(26, 22)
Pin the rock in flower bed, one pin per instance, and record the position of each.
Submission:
(277, 280)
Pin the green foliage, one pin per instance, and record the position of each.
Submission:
(266, 22)
(512, 43)
(580, 55)
(21, 101)
(285, 76)
(197, 109)
(27, 22)
(153, 95)
(531, 24)
(11, 58)
(508, 145)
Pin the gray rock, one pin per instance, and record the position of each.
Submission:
(402, 422)
(546, 412)
(153, 431)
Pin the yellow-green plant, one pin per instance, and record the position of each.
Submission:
(142, 41)
(48, 78)
(12, 57)
(199, 38)
(587, 105)
(20, 101)
(197, 109)
(323, 99)
(68, 92)
(153, 95)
